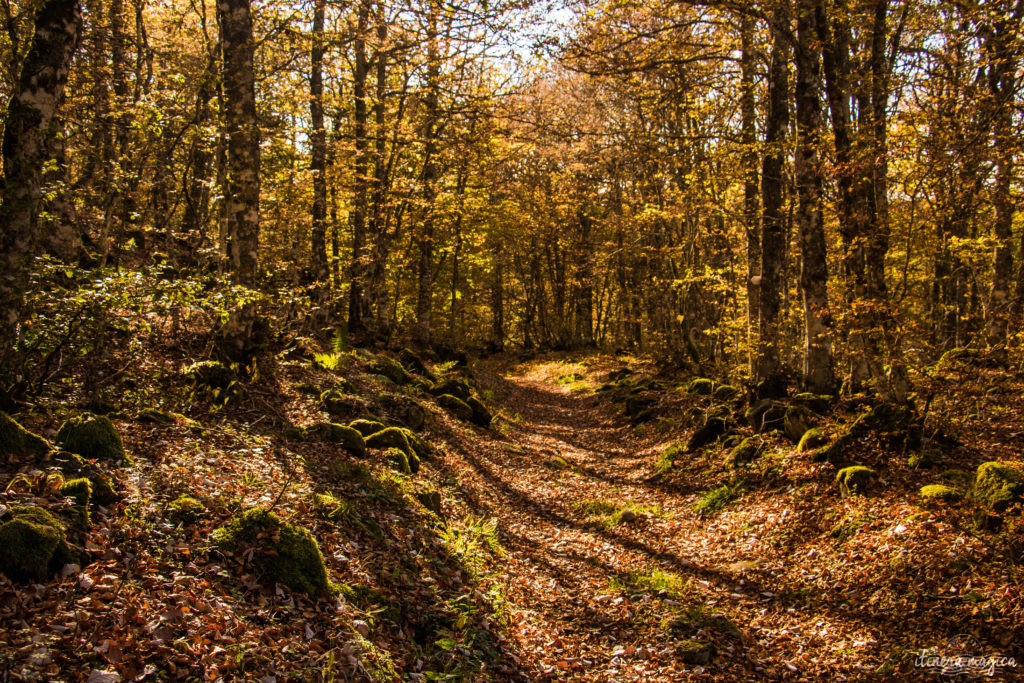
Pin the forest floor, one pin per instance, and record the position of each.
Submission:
(570, 543)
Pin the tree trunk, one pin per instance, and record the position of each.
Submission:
(242, 202)
(818, 373)
(425, 239)
(751, 205)
(357, 286)
(769, 376)
(318, 148)
(30, 123)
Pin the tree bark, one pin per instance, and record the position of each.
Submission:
(425, 238)
(751, 204)
(242, 201)
(318, 148)
(357, 286)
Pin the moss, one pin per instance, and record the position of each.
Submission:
(72, 465)
(155, 416)
(819, 403)
(713, 500)
(185, 510)
(367, 427)
(939, 492)
(812, 438)
(17, 440)
(347, 437)
(283, 552)
(32, 545)
(80, 489)
(745, 452)
(453, 387)
(307, 388)
(726, 392)
(405, 410)
(833, 452)
(342, 406)
(413, 364)
(93, 437)
(481, 415)
(455, 406)
(854, 479)
(394, 437)
(700, 386)
(713, 428)
(997, 485)
(420, 446)
(211, 374)
(327, 505)
(392, 369)
(398, 460)
(797, 420)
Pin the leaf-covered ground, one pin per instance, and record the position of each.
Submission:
(569, 546)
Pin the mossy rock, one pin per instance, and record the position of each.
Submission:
(797, 421)
(327, 505)
(211, 374)
(80, 489)
(453, 387)
(819, 403)
(185, 510)
(420, 446)
(747, 451)
(456, 406)
(342, 406)
(393, 437)
(732, 441)
(766, 415)
(156, 416)
(405, 410)
(398, 460)
(694, 652)
(713, 428)
(894, 421)
(93, 437)
(367, 427)
(961, 478)
(307, 388)
(430, 499)
(924, 459)
(32, 545)
(73, 466)
(811, 439)
(855, 479)
(637, 404)
(348, 438)
(16, 440)
(997, 486)
(481, 415)
(282, 552)
(413, 364)
(700, 386)
(834, 452)
(939, 493)
(390, 368)
(726, 392)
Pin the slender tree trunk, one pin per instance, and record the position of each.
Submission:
(425, 239)
(318, 148)
(242, 202)
(29, 126)
(769, 376)
(818, 373)
(585, 287)
(379, 189)
(498, 302)
(751, 204)
(357, 287)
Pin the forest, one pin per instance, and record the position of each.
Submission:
(592, 340)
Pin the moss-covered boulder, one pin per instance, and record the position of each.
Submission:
(819, 403)
(855, 479)
(79, 489)
(700, 386)
(393, 437)
(797, 421)
(712, 429)
(342, 406)
(280, 551)
(398, 460)
(16, 440)
(746, 451)
(367, 427)
(74, 466)
(420, 446)
(327, 505)
(155, 416)
(429, 498)
(404, 410)
(726, 392)
(453, 387)
(694, 652)
(185, 510)
(481, 415)
(835, 451)
(92, 436)
(456, 406)
(348, 438)
(390, 368)
(997, 486)
(413, 364)
(813, 438)
(933, 493)
(210, 374)
(895, 422)
(766, 415)
(32, 545)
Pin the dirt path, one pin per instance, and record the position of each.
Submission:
(570, 622)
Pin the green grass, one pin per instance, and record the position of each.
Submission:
(668, 458)
(606, 514)
(715, 499)
(653, 581)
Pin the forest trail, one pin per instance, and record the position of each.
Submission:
(564, 556)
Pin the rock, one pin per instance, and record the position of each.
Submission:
(833, 452)
(811, 439)
(700, 386)
(32, 545)
(413, 364)
(997, 485)
(854, 479)
(712, 429)
(694, 652)
(155, 416)
(211, 374)
(393, 437)
(895, 421)
(939, 492)
(398, 460)
(747, 451)
(481, 415)
(420, 445)
(367, 427)
(819, 403)
(726, 392)
(16, 440)
(456, 406)
(392, 369)
(627, 516)
(93, 437)
(431, 500)
(72, 465)
(347, 437)
(765, 415)
(454, 387)
(405, 410)
(80, 489)
(343, 406)
(280, 551)
(797, 421)
(185, 510)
